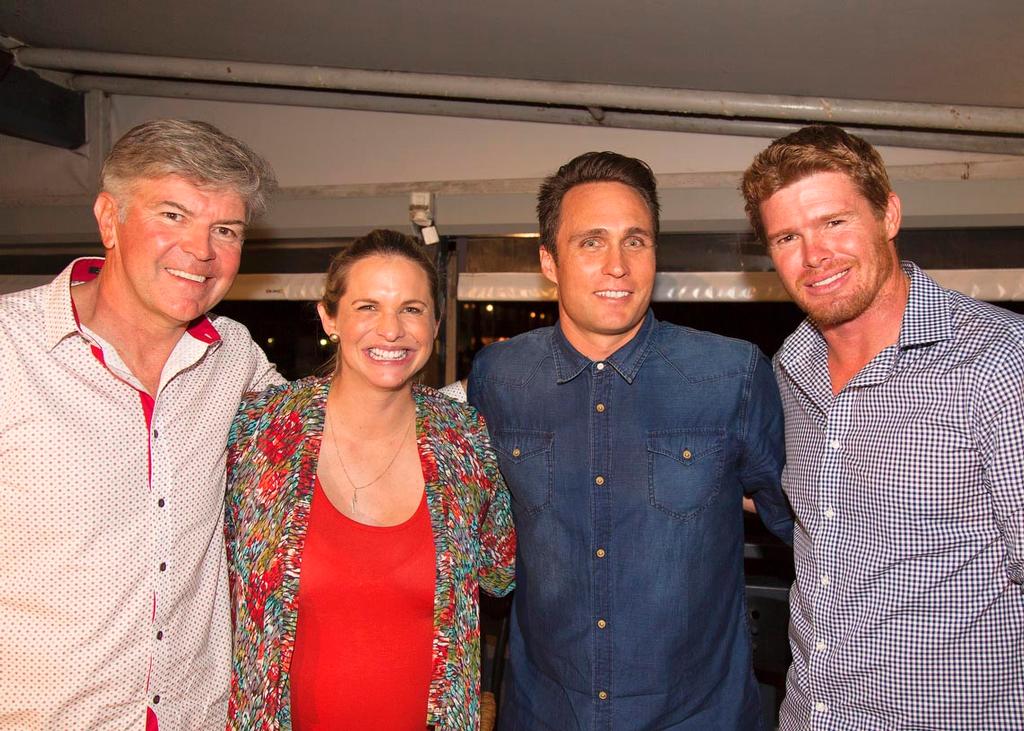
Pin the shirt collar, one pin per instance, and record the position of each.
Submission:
(927, 318)
(627, 360)
(62, 320)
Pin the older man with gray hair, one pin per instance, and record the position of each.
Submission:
(117, 395)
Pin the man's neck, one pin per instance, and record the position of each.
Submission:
(597, 346)
(854, 344)
(143, 346)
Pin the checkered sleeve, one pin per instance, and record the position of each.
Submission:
(1000, 435)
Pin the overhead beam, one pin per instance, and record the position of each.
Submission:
(600, 97)
(548, 114)
(38, 110)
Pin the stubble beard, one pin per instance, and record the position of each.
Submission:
(847, 308)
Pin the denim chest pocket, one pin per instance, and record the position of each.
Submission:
(685, 470)
(524, 456)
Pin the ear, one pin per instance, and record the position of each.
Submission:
(548, 266)
(105, 211)
(893, 216)
(326, 321)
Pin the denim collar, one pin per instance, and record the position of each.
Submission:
(626, 361)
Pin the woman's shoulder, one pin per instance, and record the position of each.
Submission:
(261, 411)
(282, 394)
(444, 410)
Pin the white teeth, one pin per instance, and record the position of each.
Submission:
(833, 278)
(186, 275)
(380, 354)
(612, 293)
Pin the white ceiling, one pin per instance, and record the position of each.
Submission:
(940, 51)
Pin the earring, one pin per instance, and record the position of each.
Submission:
(334, 338)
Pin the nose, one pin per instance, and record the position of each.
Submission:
(196, 241)
(816, 252)
(615, 264)
(389, 325)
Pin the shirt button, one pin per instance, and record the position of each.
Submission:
(516, 452)
(687, 454)
(601, 624)
(160, 502)
(824, 580)
(603, 695)
(156, 434)
(600, 553)
(835, 444)
(599, 408)
(163, 566)
(156, 699)
(599, 480)
(830, 513)
(600, 366)
(820, 645)
(160, 635)
(820, 707)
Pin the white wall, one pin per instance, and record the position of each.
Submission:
(45, 194)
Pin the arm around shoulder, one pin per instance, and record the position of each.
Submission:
(765, 450)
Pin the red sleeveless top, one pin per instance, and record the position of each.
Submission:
(362, 657)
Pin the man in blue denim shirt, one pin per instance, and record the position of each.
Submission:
(628, 445)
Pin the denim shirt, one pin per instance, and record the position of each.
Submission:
(627, 476)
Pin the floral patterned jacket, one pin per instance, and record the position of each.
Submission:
(272, 460)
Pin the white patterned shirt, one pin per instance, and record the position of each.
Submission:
(908, 487)
(113, 583)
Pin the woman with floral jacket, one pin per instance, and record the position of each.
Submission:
(364, 514)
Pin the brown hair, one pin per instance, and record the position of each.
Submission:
(195, 151)
(379, 242)
(592, 167)
(819, 148)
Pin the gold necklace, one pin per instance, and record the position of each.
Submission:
(356, 488)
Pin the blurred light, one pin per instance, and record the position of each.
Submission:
(533, 315)
(270, 341)
(489, 307)
(323, 342)
(543, 316)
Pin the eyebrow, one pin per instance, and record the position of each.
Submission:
(634, 231)
(372, 301)
(187, 212)
(817, 219)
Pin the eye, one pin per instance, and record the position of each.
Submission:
(590, 243)
(835, 222)
(414, 310)
(172, 215)
(225, 232)
(635, 242)
(366, 307)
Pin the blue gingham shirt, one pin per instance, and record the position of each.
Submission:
(908, 486)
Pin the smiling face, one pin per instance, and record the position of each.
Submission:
(176, 252)
(833, 253)
(605, 268)
(385, 322)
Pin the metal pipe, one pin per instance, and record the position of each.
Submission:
(525, 113)
(603, 96)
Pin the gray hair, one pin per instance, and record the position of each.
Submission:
(195, 151)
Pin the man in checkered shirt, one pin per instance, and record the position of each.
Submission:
(904, 409)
